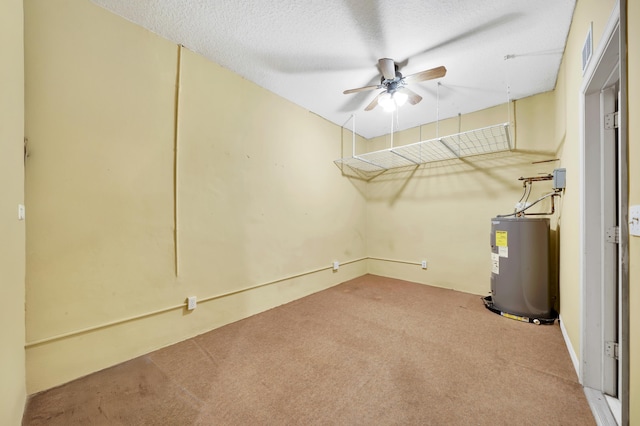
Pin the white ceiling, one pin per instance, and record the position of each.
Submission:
(310, 51)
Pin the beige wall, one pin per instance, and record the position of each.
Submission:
(251, 189)
(12, 240)
(633, 40)
(567, 110)
(257, 197)
(441, 212)
(567, 129)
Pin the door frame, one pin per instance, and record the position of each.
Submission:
(606, 67)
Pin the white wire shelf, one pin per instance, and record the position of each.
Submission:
(474, 142)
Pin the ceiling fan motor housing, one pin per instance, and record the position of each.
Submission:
(394, 84)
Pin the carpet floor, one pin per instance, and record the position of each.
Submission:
(370, 351)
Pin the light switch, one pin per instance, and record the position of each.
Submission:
(21, 212)
(634, 220)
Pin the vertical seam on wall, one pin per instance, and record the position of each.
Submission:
(175, 160)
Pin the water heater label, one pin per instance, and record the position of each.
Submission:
(501, 238)
(503, 251)
(495, 263)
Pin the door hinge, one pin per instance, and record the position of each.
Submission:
(613, 234)
(611, 121)
(611, 350)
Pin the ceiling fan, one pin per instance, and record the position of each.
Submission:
(395, 85)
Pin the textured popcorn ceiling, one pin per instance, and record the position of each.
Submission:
(310, 51)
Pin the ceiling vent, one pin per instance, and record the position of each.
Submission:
(587, 48)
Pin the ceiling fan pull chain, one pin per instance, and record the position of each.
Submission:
(506, 58)
(438, 110)
(392, 129)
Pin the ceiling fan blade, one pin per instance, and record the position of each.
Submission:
(427, 75)
(412, 97)
(362, 89)
(374, 102)
(387, 68)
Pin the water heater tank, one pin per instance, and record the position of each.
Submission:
(520, 274)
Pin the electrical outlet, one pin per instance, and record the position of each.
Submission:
(336, 265)
(424, 264)
(191, 303)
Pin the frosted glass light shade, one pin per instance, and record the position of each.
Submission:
(400, 98)
(387, 102)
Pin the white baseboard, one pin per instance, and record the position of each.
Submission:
(572, 353)
(599, 404)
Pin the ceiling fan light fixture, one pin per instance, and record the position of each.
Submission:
(390, 107)
(400, 98)
(395, 93)
(387, 102)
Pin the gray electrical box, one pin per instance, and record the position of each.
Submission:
(559, 178)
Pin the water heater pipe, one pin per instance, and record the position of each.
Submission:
(551, 194)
